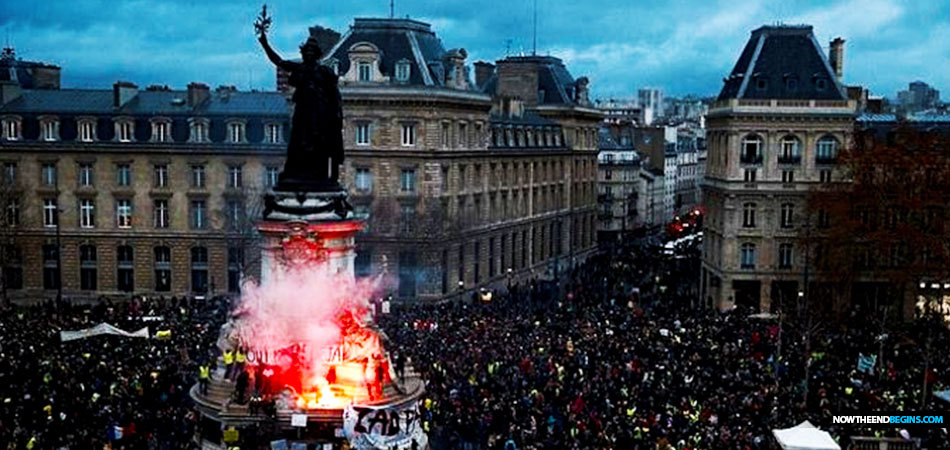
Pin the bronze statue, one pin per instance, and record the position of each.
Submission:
(315, 150)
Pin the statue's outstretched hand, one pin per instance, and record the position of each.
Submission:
(262, 24)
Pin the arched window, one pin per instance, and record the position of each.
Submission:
(826, 150)
(748, 215)
(163, 269)
(791, 150)
(199, 270)
(751, 151)
(747, 256)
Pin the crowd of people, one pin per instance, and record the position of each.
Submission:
(125, 392)
(626, 361)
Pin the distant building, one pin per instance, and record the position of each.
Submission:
(626, 112)
(918, 97)
(773, 134)
(652, 99)
(619, 188)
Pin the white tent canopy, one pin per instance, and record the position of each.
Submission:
(943, 395)
(805, 436)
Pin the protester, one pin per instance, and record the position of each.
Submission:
(128, 392)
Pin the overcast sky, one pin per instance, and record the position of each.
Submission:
(681, 46)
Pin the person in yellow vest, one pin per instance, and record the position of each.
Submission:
(204, 376)
(228, 363)
(239, 359)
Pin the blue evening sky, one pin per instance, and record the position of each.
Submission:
(683, 46)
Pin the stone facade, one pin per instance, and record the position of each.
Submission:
(769, 141)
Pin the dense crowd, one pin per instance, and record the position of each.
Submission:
(86, 393)
(611, 367)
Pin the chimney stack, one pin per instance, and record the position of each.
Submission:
(9, 91)
(198, 93)
(836, 57)
(122, 92)
(483, 72)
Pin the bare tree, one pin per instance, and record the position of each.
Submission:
(10, 201)
(240, 217)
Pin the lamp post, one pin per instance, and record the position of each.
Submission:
(461, 288)
(509, 274)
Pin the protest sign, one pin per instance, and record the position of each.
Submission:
(383, 428)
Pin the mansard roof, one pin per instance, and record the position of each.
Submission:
(783, 62)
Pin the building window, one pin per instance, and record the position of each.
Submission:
(125, 130)
(198, 219)
(749, 175)
(235, 213)
(51, 277)
(825, 176)
(235, 177)
(362, 133)
(123, 175)
(199, 130)
(826, 150)
(402, 71)
(364, 180)
(463, 140)
(446, 134)
(50, 212)
(88, 272)
(235, 264)
(199, 270)
(236, 132)
(161, 213)
(87, 131)
(125, 268)
(163, 269)
(270, 176)
(87, 213)
(161, 131)
(198, 176)
(365, 71)
(85, 175)
(407, 181)
(408, 134)
(161, 175)
(824, 219)
(408, 219)
(788, 176)
(48, 174)
(747, 256)
(748, 215)
(50, 129)
(408, 270)
(272, 133)
(791, 151)
(821, 84)
(751, 150)
(11, 129)
(785, 256)
(12, 267)
(123, 213)
(12, 217)
(788, 215)
(9, 173)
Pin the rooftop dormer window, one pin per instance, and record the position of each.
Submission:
(821, 84)
(365, 72)
(198, 130)
(49, 129)
(12, 129)
(236, 133)
(272, 133)
(124, 129)
(161, 130)
(791, 84)
(87, 129)
(761, 83)
(403, 69)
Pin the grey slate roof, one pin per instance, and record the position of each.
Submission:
(12, 69)
(396, 39)
(148, 103)
(790, 64)
(553, 78)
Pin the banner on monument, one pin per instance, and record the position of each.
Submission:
(384, 427)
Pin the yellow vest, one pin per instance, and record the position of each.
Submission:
(239, 357)
(228, 357)
(204, 372)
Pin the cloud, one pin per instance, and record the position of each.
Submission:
(684, 46)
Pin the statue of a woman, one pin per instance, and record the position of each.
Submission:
(315, 151)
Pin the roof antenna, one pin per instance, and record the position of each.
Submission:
(392, 9)
(534, 50)
(507, 47)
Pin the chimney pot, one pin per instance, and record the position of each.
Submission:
(836, 57)
(198, 93)
(122, 92)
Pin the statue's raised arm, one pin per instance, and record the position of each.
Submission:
(261, 26)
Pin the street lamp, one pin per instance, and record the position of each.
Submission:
(461, 287)
(509, 272)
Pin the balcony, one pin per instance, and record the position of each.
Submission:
(825, 160)
(790, 160)
(750, 160)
